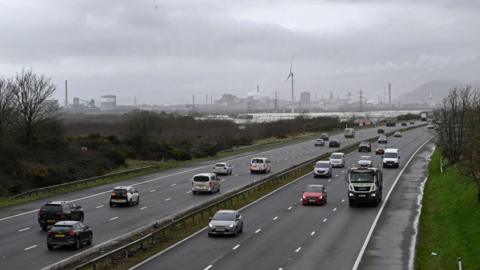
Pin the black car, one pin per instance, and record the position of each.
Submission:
(412, 123)
(55, 211)
(334, 143)
(380, 131)
(324, 136)
(69, 233)
(365, 146)
(404, 124)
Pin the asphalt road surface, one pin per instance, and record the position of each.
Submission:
(23, 243)
(281, 233)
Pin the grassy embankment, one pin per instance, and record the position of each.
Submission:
(450, 220)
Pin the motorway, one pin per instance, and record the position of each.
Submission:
(23, 244)
(281, 233)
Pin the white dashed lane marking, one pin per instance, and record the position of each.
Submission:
(28, 248)
(275, 218)
(99, 206)
(168, 199)
(325, 220)
(312, 233)
(24, 229)
(208, 267)
(188, 192)
(289, 208)
(235, 247)
(153, 190)
(334, 209)
(174, 184)
(298, 249)
(113, 218)
(142, 208)
(258, 230)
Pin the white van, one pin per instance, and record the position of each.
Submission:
(349, 133)
(391, 158)
(260, 165)
(205, 182)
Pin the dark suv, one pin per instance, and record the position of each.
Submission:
(69, 233)
(365, 147)
(52, 212)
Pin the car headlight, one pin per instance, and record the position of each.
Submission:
(350, 188)
(210, 225)
(304, 197)
(231, 225)
(373, 188)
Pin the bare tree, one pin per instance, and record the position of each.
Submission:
(32, 96)
(7, 106)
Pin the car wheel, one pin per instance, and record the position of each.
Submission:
(130, 203)
(90, 240)
(241, 228)
(77, 244)
(44, 227)
(194, 192)
(82, 217)
(50, 247)
(138, 200)
(111, 204)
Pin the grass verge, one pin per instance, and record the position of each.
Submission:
(450, 220)
(159, 166)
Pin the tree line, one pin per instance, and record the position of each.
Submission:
(458, 120)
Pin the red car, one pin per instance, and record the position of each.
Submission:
(314, 194)
(380, 150)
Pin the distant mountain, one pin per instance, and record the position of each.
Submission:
(438, 88)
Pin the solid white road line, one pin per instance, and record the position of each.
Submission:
(298, 249)
(235, 247)
(113, 218)
(99, 206)
(374, 224)
(24, 229)
(257, 231)
(28, 248)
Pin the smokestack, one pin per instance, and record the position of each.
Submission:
(389, 94)
(258, 89)
(66, 93)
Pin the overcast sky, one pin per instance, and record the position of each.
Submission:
(165, 51)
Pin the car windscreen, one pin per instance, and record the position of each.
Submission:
(361, 177)
(220, 165)
(51, 208)
(336, 156)
(201, 178)
(224, 216)
(322, 165)
(61, 228)
(257, 160)
(313, 188)
(390, 155)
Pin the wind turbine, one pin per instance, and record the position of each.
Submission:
(290, 76)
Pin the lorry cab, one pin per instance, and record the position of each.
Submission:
(365, 184)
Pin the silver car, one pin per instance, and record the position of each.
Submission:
(323, 168)
(225, 222)
(222, 168)
(337, 159)
(365, 161)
